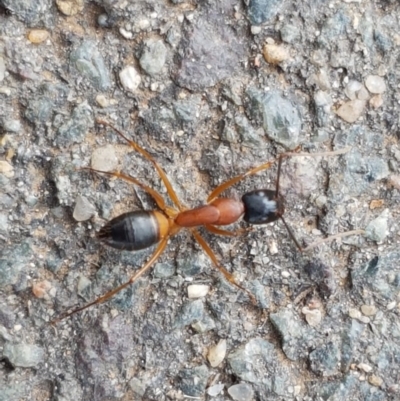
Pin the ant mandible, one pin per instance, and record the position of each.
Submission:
(141, 229)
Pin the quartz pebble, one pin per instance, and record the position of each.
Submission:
(104, 159)
(130, 78)
(368, 310)
(83, 210)
(313, 316)
(197, 290)
(216, 389)
(241, 392)
(351, 111)
(217, 353)
(375, 84)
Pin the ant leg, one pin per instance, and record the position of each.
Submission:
(222, 269)
(333, 237)
(111, 293)
(153, 193)
(234, 233)
(145, 154)
(225, 185)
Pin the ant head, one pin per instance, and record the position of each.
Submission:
(262, 206)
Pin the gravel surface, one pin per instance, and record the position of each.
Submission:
(210, 89)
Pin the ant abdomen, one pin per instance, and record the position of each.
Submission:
(132, 231)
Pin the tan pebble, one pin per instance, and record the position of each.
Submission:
(313, 316)
(70, 7)
(376, 101)
(375, 380)
(6, 169)
(104, 158)
(351, 111)
(41, 289)
(275, 54)
(368, 310)
(354, 313)
(217, 353)
(376, 203)
(38, 35)
(314, 303)
(394, 181)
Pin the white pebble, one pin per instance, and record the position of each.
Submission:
(375, 84)
(104, 159)
(197, 290)
(313, 316)
(83, 210)
(273, 248)
(351, 111)
(217, 353)
(216, 389)
(366, 368)
(130, 78)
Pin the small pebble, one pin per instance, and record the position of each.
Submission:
(41, 289)
(102, 101)
(83, 284)
(241, 392)
(216, 389)
(375, 84)
(125, 34)
(375, 381)
(275, 54)
(352, 88)
(377, 229)
(83, 210)
(13, 126)
(351, 111)
(368, 310)
(313, 316)
(255, 29)
(130, 78)
(366, 368)
(356, 314)
(6, 169)
(197, 290)
(376, 204)
(376, 101)
(38, 35)
(217, 353)
(273, 248)
(23, 355)
(70, 7)
(104, 158)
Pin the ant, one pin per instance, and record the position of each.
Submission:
(142, 229)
